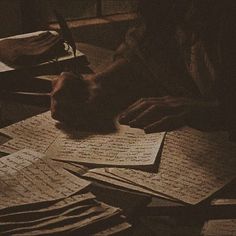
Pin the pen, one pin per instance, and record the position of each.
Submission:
(65, 31)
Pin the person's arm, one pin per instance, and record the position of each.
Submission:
(95, 100)
(170, 112)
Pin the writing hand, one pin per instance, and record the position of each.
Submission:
(68, 93)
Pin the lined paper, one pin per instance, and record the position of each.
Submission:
(27, 177)
(193, 166)
(122, 148)
(36, 133)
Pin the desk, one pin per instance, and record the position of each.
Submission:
(15, 108)
(160, 217)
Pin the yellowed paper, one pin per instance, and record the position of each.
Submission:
(101, 174)
(6, 68)
(27, 177)
(36, 133)
(122, 148)
(33, 221)
(193, 166)
(125, 147)
(45, 220)
(78, 169)
(223, 201)
(220, 228)
(68, 223)
(18, 215)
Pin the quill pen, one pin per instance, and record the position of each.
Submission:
(65, 31)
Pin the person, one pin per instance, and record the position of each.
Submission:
(174, 68)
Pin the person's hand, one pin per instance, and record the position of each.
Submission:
(68, 94)
(160, 114)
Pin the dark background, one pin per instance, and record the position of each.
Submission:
(104, 22)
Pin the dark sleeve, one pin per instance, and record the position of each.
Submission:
(122, 83)
(131, 80)
(227, 78)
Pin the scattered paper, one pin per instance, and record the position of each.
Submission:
(28, 177)
(36, 133)
(102, 175)
(193, 166)
(126, 147)
(223, 202)
(123, 148)
(68, 222)
(77, 214)
(35, 211)
(77, 169)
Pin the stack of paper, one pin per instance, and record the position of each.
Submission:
(28, 177)
(38, 197)
(36, 133)
(193, 166)
(44, 67)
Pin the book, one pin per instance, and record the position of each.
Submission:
(10, 75)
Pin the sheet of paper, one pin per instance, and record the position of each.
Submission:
(220, 228)
(223, 201)
(193, 166)
(28, 177)
(36, 133)
(68, 223)
(101, 174)
(127, 147)
(41, 219)
(68, 56)
(45, 219)
(78, 169)
(31, 212)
